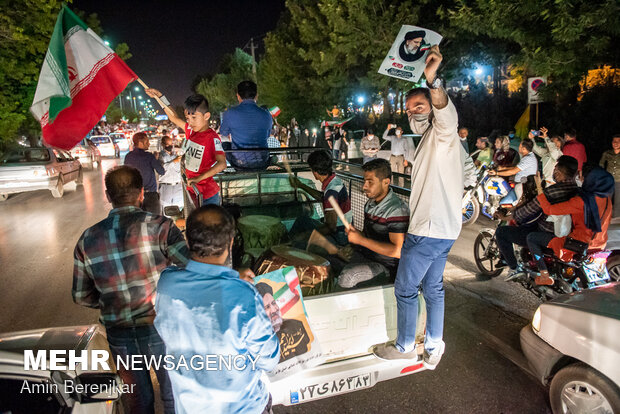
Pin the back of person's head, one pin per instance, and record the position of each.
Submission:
(247, 90)
(321, 162)
(123, 185)
(418, 91)
(196, 103)
(571, 133)
(209, 231)
(528, 144)
(380, 167)
(568, 166)
(139, 137)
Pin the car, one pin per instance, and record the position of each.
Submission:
(87, 153)
(572, 344)
(37, 168)
(121, 140)
(43, 390)
(346, 323)
(106, 146)
(613, 244)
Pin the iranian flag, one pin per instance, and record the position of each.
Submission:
(80, 76)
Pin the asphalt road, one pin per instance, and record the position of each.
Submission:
(483, 369)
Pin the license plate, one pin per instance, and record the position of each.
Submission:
(597, 270)
(329, 388)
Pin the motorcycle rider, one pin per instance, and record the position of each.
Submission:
(590, 213)
(528, 165)
(530, 216)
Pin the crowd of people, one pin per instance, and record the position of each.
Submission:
(161, 293)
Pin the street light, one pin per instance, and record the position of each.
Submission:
(361, 100)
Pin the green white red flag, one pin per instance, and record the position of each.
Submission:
(79, 78)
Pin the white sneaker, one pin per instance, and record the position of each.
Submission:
(431, 360)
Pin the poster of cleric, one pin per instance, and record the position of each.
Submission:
(283, 301)
(407, 56)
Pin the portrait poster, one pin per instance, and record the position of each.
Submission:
(284, 304)
(407, 56)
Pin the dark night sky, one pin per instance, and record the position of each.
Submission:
(174, 41)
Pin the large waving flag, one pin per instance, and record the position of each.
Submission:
(80, 76)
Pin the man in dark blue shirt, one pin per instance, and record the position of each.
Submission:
(248, 126)
(147, 164)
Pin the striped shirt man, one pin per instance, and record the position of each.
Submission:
(390, 215)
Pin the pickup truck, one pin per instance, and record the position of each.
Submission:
(346, 323)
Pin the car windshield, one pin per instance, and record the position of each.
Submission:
(100, 140)
(25, 155)
(117, 137)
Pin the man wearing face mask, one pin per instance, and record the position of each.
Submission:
(435, 221)
(170, 184)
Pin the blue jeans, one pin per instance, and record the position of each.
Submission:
(422, 262)
(537, 241)
(215, 199)
(142, 340)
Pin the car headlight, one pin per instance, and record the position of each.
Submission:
(536, 320)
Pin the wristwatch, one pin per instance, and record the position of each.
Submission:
(435, 84)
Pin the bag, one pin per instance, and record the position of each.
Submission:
(562, 225)
(576, 246)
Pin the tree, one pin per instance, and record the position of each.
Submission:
(220, 89)
(559, 39)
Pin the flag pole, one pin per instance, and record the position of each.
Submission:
(159, 101)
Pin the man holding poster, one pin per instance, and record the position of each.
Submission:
(435, 220)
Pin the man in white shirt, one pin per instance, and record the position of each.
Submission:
(170, 184)
(436, 216)
(399, 151)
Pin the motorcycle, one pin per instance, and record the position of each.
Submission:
(583, 272)
(486, 196)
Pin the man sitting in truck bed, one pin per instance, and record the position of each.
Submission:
(320, 163)
(386, 219)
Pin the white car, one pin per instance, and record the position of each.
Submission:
(106, 146)
(121, 140)
(49, 391)
(573, 343)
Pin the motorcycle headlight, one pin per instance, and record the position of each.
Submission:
(536, 320)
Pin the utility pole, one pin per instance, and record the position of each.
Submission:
(252, 47)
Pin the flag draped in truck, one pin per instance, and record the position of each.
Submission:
(79, 78)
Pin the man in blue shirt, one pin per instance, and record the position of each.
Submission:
(207, 312)
(147, 164)
(248, 126)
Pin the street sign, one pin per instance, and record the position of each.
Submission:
(533, 86)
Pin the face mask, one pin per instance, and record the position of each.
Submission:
(420, 117)
(419, 123)
(168, 148)
(511, 136)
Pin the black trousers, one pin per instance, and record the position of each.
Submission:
(151, 202)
